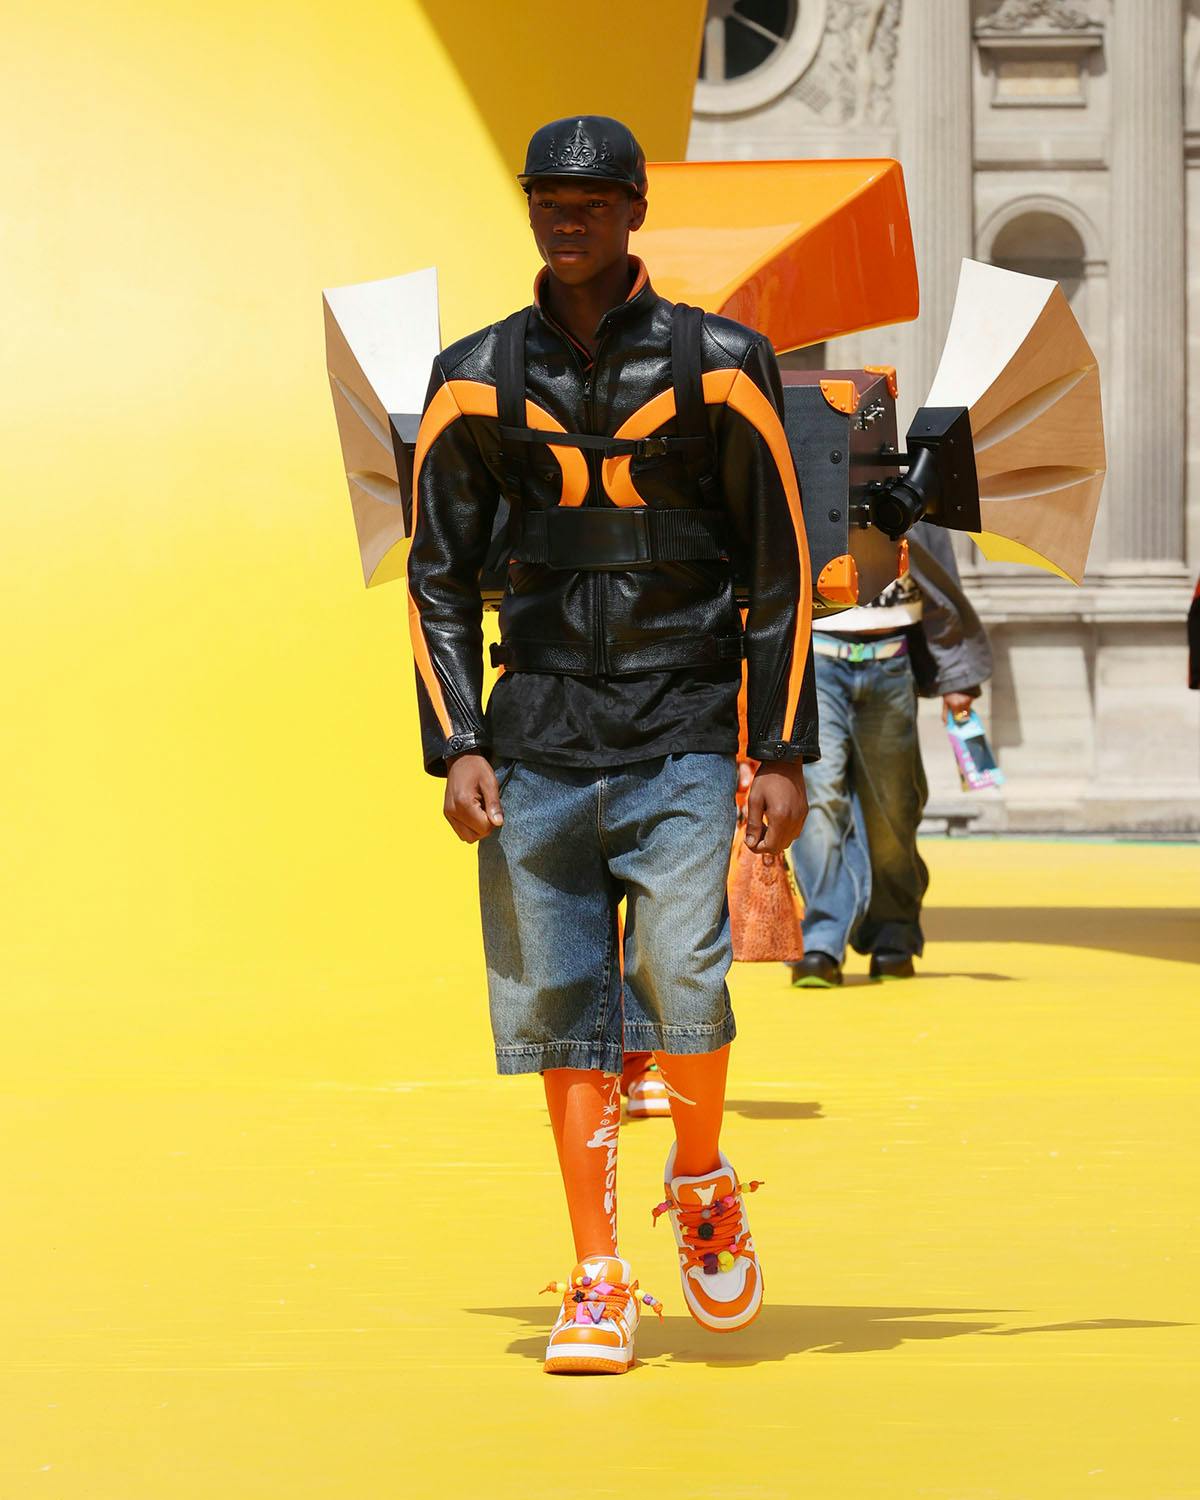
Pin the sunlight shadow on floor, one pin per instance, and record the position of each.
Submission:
(893, 987)
(1147, 932)
(928, 974)
(1084, 1325)
(775, 1109)
(781, 1331)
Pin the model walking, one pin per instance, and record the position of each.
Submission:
(639, 449)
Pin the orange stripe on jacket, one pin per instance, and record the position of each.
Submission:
(746, 399)
(615, 473)
(738, 391)
(440, 412)
(474, 398)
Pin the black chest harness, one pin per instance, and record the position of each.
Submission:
(602, 537)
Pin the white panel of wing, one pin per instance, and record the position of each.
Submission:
(994, 310)
(392, 328)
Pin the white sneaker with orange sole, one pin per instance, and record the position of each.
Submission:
(645, 1092)
(595, 1328)
(722, 1279)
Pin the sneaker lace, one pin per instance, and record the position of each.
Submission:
(723, 1220)
(588, 1301)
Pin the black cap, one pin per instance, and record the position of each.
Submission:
(591, 146)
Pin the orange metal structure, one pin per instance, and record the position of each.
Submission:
(842, 395)
(837, 582)
(889, 374)
(801, 250)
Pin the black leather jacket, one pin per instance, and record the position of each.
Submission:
(584, 623)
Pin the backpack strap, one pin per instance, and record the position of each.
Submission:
(692, 439)
(510, 401)
(691, 417)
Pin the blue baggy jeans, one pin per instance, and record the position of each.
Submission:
(573, 844)
(856, 861)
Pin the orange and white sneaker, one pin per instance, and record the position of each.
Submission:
(722, 1279)
(645, 1091)
(593, 1334)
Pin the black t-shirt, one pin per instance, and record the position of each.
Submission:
(611, 721)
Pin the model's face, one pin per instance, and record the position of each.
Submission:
(582, 229)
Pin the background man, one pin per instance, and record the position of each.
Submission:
(856, 861)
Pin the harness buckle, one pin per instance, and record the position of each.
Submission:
(652, 447)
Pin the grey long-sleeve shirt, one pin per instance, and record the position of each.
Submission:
(949, 648)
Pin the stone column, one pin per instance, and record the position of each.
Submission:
(937, 148)
(1146, 424)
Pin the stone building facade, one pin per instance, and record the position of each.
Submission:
(1062, 138)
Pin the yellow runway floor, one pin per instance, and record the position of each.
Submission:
(270, 1241)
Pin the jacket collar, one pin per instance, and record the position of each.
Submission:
(641, 295)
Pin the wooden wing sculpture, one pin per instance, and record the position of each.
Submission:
(381, 338)
(1016, 358)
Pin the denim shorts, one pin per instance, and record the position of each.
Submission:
(574, 843)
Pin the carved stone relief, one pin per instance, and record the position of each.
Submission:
(1045, 15)
(850, 81)
(1039, 53)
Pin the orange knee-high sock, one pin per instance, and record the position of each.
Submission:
(696, 1086)
(585, 1111)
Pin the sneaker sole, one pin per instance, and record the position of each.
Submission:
(588, 1364)
(648, 1112)
(813, 982)
(726, 1326)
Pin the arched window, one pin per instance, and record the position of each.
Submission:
(1041, 243)
(755, 50)
(742, 35)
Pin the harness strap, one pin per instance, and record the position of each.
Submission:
(596, 442)
(692, 439)
(691, 416)
(599, 539)
(576, 661)
(510, 401)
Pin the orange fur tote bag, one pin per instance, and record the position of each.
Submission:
(765, 910)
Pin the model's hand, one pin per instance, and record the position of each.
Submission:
(472, 805)
(777, 794)
(955, 703)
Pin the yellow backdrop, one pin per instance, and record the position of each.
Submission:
(210, 761)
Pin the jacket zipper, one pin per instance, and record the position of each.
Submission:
(599, 582)
(595, 580)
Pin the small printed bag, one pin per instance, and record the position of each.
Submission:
(765, 910)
